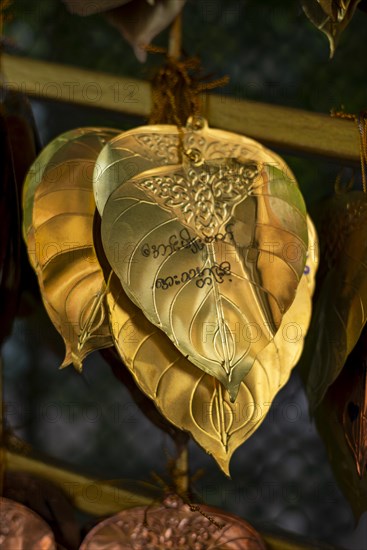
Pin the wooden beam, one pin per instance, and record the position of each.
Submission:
(289, 129)
(68, 84)
(293, 130)
(93, 496)
(100, 498)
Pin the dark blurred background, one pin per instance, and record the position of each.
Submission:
(272, 53)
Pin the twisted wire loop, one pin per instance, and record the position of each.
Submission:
(176, 89)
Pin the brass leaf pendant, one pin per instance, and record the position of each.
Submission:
(210, 246)
(59, 207)
(355, 404)
(341, 419)
(193, 400)
(341, 304)
(331, 17)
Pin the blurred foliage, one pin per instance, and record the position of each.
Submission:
(270, 50)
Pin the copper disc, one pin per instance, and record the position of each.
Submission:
(22, 529)
(173, 525)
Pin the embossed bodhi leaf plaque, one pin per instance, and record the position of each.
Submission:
(195, 401)
(208, 241)
(207, 236)
(58, 208)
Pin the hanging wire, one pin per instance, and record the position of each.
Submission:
(361, 122)
(362, 126)
(176, 87)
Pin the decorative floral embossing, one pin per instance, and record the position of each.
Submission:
(164, 147)
(221, 149)
(203, 195)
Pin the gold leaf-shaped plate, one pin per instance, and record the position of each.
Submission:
(209, 250)
(59, 206)
(195, 401)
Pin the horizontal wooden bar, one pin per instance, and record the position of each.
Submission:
(69, 84)
(293, 130)
(290, 129)
(100, 498)
(93, 496)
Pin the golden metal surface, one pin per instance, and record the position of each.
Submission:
(58, 229)
(173, 524)
(214, 206)
(207, 239)
(195, 401)
(22, 529)
(135, 151)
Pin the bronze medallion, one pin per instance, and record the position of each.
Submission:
(174, 525)
(22, 529)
